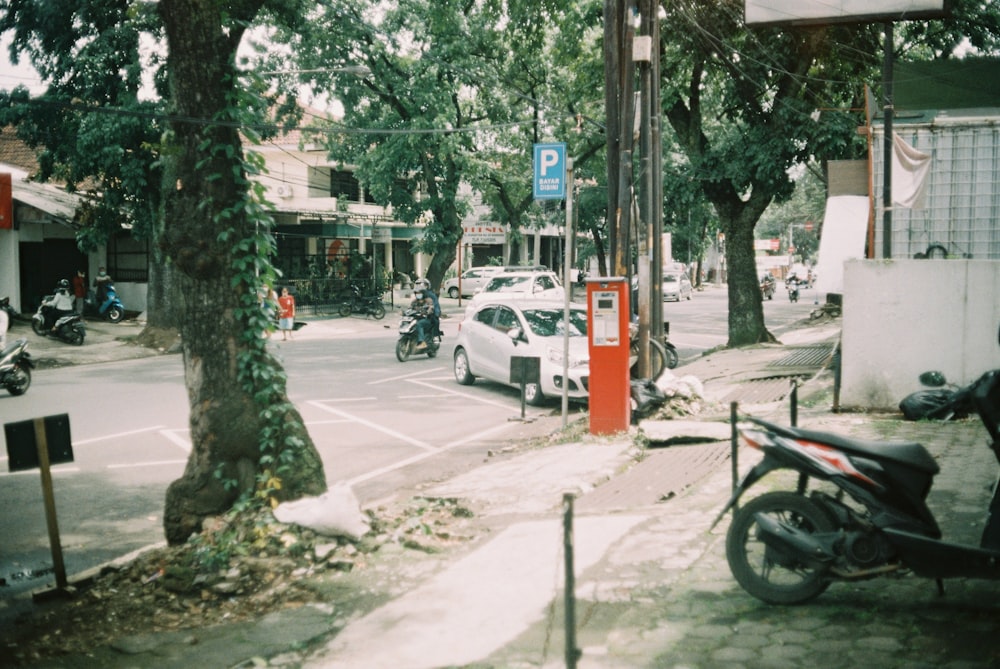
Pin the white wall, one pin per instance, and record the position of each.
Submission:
(905, 317)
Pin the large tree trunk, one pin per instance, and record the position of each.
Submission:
(205, 190)
(746, 310)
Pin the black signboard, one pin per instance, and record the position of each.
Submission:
(525, 369)
(22, 449)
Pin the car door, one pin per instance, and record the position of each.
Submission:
(479, 338)
(501, 347)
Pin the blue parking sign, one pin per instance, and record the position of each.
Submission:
(550, 171)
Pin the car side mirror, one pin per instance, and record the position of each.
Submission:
(514, 334)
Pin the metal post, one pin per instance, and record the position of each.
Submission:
(568, 287)
(572, 652)
(887, 148)
(794, 408)
(734, 444)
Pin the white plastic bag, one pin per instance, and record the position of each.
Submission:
(335, 513)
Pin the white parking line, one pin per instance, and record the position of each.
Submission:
(116, 436)
(172, 435)
(459, 393)
(153, 463)
(401, 377)
(375, 426)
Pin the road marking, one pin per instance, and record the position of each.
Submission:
(375, 426)
(401, 377)
(172, 435)
(116, 436)
(152, 463)
(53, 470)
(465, 395)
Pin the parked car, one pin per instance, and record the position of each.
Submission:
(473, 279)
(497, 331)
(676, 286)
(530, 284)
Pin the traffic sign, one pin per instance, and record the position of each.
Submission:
(550, 171)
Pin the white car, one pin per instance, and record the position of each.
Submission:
(530, 284)
(473, 279)
(495, 332)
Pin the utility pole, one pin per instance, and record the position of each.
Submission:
(887, 143)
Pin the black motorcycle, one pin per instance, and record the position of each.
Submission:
(11, 311)
(15, 367)
(369, 304)
(788, 546)
(68, 328)
(406, 345)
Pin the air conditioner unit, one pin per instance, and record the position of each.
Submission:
(284, 190)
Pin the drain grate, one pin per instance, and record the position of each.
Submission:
(805, 356)
(760, 391)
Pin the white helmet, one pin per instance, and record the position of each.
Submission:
(422, 284)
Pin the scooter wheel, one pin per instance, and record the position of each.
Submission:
(37, 327)
(672, 359)
(770, 574)
(379, 312)
(76, 337)
(19, 380)
(403, 349)
(115, 314)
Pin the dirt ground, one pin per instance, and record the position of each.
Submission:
(240, 567)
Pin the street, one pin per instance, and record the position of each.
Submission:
(380, 425)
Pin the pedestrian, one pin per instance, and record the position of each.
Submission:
(79, 290)
(101, 283)
(269, 302)
(286, 314)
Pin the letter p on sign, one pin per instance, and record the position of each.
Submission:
(550, 171)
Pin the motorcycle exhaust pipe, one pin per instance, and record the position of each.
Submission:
(789, 546)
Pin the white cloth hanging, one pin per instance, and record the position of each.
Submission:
(909, 174)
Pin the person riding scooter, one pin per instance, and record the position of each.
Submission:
(424, 304)
(59, 305)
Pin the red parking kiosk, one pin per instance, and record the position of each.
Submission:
(607, 327)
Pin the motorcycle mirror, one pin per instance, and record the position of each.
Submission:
(933, 379)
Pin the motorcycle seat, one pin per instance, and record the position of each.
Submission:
(909, 453)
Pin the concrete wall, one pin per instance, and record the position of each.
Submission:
(905, 317)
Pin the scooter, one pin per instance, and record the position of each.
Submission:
(11, 311)
(369, 305)
(111, 308)
(15, 367)
(793, 290)
(406, 345)
(767, 288)
(69, 328)
(787, 547)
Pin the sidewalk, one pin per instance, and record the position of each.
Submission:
(652, 585)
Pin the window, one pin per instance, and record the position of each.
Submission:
(128, 258)
(506, 320)
(486, 315)
(344, 185)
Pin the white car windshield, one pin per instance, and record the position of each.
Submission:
(509, 284)
(550, 323)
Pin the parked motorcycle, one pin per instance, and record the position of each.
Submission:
(111, 308)
(11, 311)
(360, 303)
(787, 547)
(15, 367)
(69, 328)
(662, 354)
(406, 345)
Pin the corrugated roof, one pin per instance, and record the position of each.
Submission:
(54, 201)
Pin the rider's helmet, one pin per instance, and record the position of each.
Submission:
(63, 284)
(422, 285)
